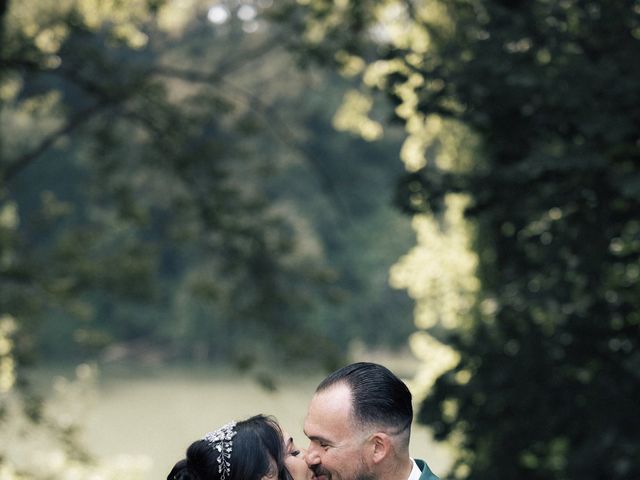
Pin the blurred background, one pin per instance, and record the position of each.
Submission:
(205, 206)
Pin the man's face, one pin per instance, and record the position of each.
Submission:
(337, 449)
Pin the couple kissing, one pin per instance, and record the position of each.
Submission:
(358, 424)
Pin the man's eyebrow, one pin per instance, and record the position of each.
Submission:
(316, 438)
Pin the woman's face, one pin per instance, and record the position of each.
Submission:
(294, 459)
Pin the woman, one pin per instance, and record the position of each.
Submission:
(253, 449)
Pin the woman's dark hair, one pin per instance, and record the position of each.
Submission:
(258, 440)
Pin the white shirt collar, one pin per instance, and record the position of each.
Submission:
(415, 471)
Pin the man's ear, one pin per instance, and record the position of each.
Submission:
(381, 443)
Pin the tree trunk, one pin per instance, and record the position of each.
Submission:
(4, 8)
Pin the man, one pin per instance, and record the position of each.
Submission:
(359, 426)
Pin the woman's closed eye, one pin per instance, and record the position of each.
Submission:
(294, 453)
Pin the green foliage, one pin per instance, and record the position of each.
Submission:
(166, 200)
(547, 382)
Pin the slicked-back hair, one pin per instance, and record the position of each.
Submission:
(378, 397)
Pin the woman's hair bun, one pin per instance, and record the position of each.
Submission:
(181, 471)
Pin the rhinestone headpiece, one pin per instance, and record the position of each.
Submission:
(221, 441)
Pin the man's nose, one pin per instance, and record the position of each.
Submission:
(311, 456)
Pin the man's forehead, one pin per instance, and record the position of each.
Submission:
(329, 411)
(334, 398)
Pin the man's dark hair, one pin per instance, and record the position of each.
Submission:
(378, 396)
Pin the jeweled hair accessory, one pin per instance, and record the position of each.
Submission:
(221, 441)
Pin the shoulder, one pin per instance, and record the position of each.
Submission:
(427, 474)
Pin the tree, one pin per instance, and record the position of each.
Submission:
(547, 359)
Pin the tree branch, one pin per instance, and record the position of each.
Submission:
(25, 160)
(238, 61)
(270, 117)
(276, 125)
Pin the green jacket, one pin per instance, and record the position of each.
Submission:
(427, 474)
